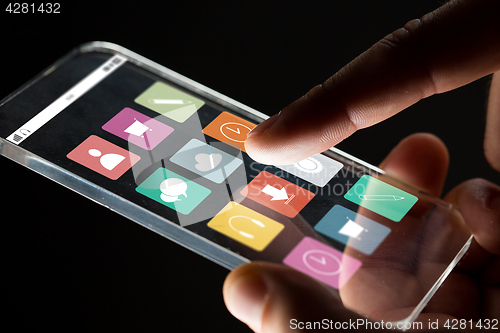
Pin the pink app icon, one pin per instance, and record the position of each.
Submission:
(137, 128)
(322, 262)
(103, 157)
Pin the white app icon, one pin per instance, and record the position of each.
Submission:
(108, 161)
(245, 218)
(358, 232)
(168, 101)
(172, 188)
(235, 131)
(277, 194)
(351, 229)
(322, 262)
(309, 165)
(137, 128)
(318, 169)
(207, 162)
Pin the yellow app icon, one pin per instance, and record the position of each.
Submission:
(246, 226)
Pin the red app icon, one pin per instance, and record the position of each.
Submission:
(103, 157)
(278, 194)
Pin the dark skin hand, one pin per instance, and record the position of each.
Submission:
(450, 47)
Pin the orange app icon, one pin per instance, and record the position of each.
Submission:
(103, 157)
(278, 194)
(230, 129)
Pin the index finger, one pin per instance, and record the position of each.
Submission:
(447, 48)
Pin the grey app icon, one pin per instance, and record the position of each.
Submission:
(206, 160)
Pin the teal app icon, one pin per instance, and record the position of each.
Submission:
(173, 190)
(381, 198)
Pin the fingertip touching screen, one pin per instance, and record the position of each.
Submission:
(169, 154)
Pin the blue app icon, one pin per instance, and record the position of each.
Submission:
(352, 229)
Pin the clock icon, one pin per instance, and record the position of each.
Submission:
(235, 131)
(322, 262)
(230, 129)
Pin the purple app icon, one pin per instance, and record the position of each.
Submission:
(322, 262)
(137, 128)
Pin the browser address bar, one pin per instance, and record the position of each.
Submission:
(66, 99)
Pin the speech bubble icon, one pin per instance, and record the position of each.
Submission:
(168, 198)
(173, 187)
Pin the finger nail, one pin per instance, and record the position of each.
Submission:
(264, 126)
(246, 299)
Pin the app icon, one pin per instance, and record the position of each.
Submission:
(318, 169)
(138, 128)
(352, 229)
(381, 198)
(246, 226)
(173, 190)
(277, 193)
(103, 157)
(229, 128)
(322, 262)
(169, 101)
(206, 160)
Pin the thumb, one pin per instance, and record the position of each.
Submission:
(275, 298)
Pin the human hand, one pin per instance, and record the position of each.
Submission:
(448, 48)
(376, 85)
(268, 296)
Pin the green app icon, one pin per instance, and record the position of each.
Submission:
(381, 198)
(169, 101)
(173, 190)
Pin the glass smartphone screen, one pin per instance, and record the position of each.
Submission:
(167, 148)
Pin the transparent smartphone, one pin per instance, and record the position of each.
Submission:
(168, 153)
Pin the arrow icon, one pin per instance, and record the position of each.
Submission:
(277, 194)
(237, 131)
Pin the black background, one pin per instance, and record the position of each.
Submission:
(69, 264)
